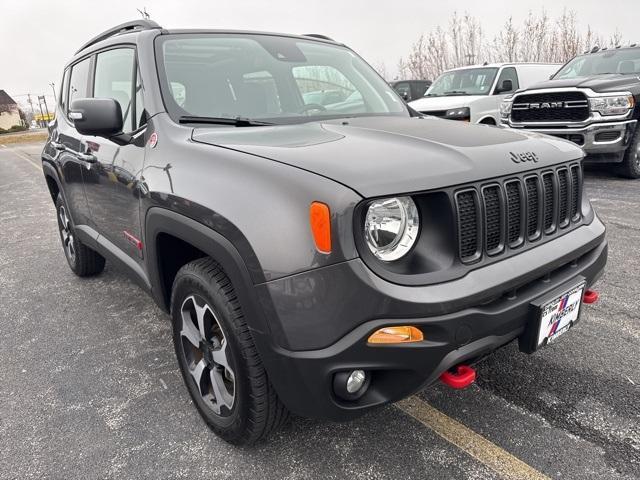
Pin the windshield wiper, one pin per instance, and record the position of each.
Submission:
(456, 92)
(236, 122)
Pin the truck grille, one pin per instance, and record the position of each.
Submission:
(506, 214)
(567, 106)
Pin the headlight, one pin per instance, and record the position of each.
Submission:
(391, 227)
(505, 108)
(618, 105)
(458, 114)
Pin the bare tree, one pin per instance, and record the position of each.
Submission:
(538, 39)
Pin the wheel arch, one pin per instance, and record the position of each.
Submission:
(180, 239)
(488, 120)
(53, 182)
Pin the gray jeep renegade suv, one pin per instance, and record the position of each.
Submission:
(319, 257)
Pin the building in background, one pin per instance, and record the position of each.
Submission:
(9, 112)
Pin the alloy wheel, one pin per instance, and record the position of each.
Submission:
(206, 354)
(66, 233)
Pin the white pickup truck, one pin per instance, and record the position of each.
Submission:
(474, 93)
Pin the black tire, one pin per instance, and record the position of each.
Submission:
(255, 409)
(630, 167)
(82, 260)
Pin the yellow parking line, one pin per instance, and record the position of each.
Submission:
(24, 157)
(486, 452)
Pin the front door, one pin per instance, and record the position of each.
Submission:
(112, 181)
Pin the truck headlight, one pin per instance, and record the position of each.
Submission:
(462, 113)
(505, 108)
(617, 105)
(391, 227)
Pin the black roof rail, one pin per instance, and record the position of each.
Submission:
(134, 25)
(317, 35)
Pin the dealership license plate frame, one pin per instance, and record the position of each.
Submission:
(531, 340)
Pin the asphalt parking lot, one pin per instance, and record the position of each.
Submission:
(89, 387)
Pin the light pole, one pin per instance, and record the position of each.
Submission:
(53, 87)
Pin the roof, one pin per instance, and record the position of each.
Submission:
(5, 99)
(129, 30)
(498, 65)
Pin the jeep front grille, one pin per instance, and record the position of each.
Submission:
(509, 213)
(569, 106)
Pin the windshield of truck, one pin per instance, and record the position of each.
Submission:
(273, 79)
(623, 61)
(469, 81)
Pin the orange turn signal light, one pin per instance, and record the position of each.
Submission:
(320, 219)
(404, 334)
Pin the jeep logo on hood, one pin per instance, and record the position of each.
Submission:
(524, 157)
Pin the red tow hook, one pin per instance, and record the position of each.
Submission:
(590, 296)
(462, 377)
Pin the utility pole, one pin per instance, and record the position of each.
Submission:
(41, 112)
(30, 104)
(42, 98)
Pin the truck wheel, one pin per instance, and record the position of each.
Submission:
(217, 357)
(83, 261)
(630, 167)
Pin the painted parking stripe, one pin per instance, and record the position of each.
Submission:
(31, 162)
(470, 442)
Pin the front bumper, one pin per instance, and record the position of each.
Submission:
(320, 321)
(603, 142)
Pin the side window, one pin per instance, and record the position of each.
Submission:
(79, 83)
(322, 85)
(114, 79)
(508, 73)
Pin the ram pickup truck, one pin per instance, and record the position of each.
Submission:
(593, 102)
(316, 259)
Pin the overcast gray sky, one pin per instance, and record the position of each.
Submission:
(38, 37)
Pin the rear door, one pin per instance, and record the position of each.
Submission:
(112, 181)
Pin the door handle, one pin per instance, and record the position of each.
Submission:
(87, 157)
(58, 146)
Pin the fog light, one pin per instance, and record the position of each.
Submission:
(351, 384)
(355, 381)
(403, 334)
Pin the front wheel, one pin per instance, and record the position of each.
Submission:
(630, 167)
(217, 357)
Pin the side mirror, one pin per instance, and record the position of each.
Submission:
(507, 86)
(405, 96)
(101, 117)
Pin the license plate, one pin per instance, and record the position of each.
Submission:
(559, 315)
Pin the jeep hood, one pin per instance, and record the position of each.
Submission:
(392, 155)
(611, 82)
(431, 104)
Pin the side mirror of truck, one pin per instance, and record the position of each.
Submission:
(507, 86)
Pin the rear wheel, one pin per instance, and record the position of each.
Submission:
(630, 167)
(82, 260)
(217, 357)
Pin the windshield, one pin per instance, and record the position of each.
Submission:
(268, 78)
(625, 61)
(469, 81)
